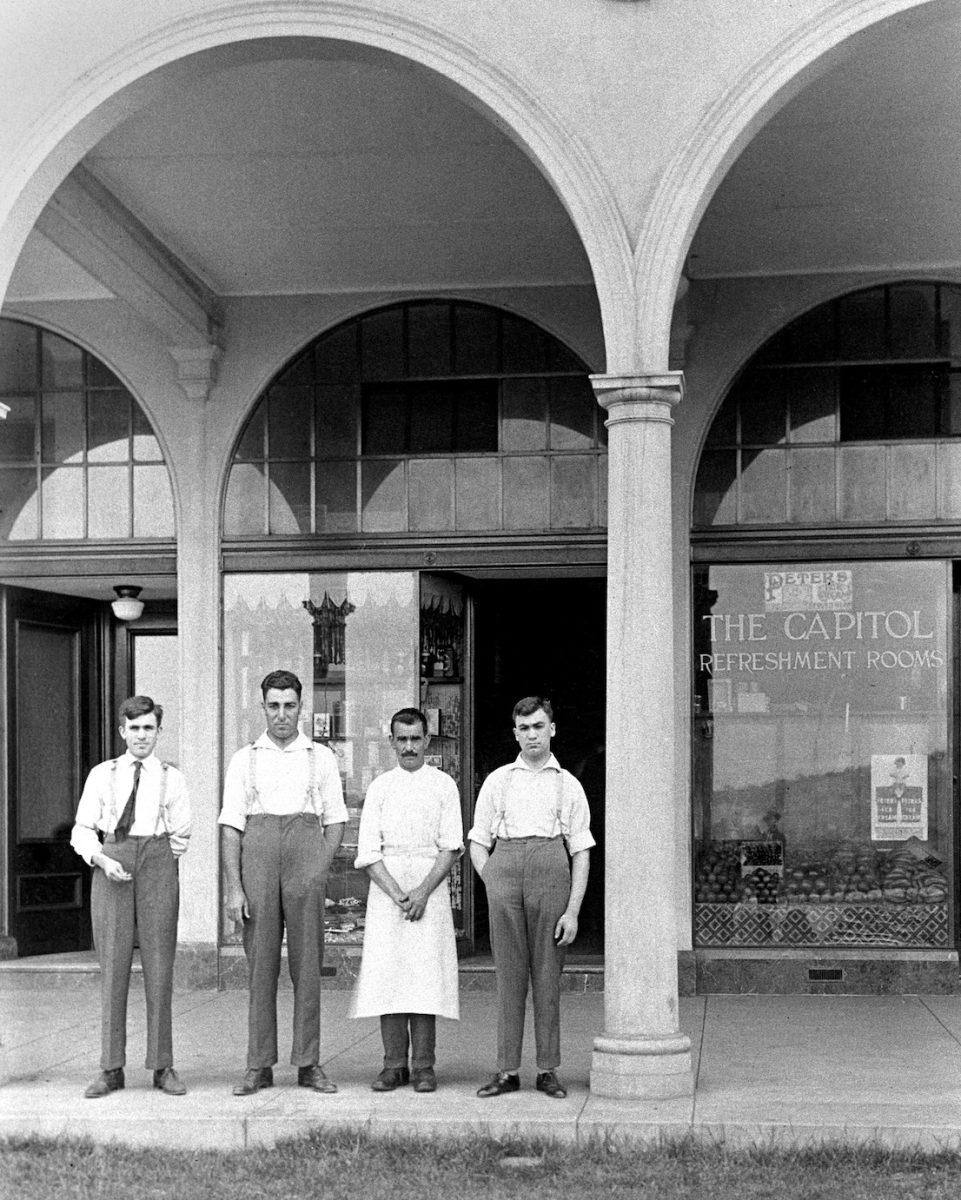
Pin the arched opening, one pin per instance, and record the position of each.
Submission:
(825, 543)
(85, 504)
(418, 485)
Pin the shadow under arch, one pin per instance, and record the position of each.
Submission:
(697, 169)
(181, 50)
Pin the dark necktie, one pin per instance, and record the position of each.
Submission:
(126, 817)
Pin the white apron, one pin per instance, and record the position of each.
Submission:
(408, 966)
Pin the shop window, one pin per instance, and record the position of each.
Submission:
(822, 773)
(364, 645)
(843, 389)
(432, 416)
(78, 457)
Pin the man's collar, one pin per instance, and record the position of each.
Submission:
(300, 742)
(130, 759)
(551, 764)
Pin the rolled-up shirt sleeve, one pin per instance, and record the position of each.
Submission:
(370, 839)
(482, 829)
(233, 812)
(330, 788)
(178, 812)
(450, 835)
(575, 816)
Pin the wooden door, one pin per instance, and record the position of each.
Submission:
(52, 700)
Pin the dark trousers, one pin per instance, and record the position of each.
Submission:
(528, 883)
(284, 879)
(146, 906)
(421, 1039)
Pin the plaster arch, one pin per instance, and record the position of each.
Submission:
(697, 169)
(99, 99)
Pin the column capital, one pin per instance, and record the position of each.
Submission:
(649, 397)
(196, 368)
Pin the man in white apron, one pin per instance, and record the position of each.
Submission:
(526, 812)
(282, 822)
(139, 807)
(410, 836)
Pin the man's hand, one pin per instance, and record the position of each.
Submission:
(565, 931)
(238, 910)
(417, 902)
(113, 870)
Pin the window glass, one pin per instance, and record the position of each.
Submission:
(153, 507)
(426, 379)
(336, 504)
(763, 486)
(108, 502)
(526, 499)
(245, 505)
(18, 358)
(573, 413)
(908, 394)
(19, 512)
(524, 420)
(715, 496)
(352, 638)
(18, 431)
(573, 491)
(383, 496)
(290, 505)
(108, 427)
(75, 416)
(478, 493)
(61, 494)
(428, 340)
(146, 448)
(822, 773)
(431, 493)
(61, 363)
(812, 494)
(290, 422)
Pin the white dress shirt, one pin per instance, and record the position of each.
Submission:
(280, 781)
(518, 800)
(162, 807)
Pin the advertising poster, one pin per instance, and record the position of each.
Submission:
(899, 797)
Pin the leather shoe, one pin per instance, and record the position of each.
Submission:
(390, 1078)
(424, 1079)
(314, 1077)
(503, 1081)
(254, 1079)
(168, 1081)
(548, 1083)
(105, 1083)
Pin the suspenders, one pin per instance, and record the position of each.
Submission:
(252, 792)
(161, 825)
(500, 812)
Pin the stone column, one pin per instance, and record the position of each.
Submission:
(641, 1054)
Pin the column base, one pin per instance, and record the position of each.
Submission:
(642, 1068)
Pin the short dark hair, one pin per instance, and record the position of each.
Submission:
(408, 716)
(530, 704)
(281, 680)
(139, 706)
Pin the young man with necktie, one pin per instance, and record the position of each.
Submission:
(132, 827)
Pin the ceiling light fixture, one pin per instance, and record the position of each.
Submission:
(127, 607)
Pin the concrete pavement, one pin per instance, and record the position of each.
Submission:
(784, 1070)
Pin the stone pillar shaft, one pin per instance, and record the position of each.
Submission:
(642, 1052)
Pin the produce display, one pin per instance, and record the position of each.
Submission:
(727, 873)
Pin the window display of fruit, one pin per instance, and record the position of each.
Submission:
(864, 875)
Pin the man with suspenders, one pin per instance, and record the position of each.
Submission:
(526, 811)
(140, 809)
(282, 822)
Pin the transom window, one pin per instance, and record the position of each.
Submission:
(425, 416)
(78, 457)
(850, 415)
